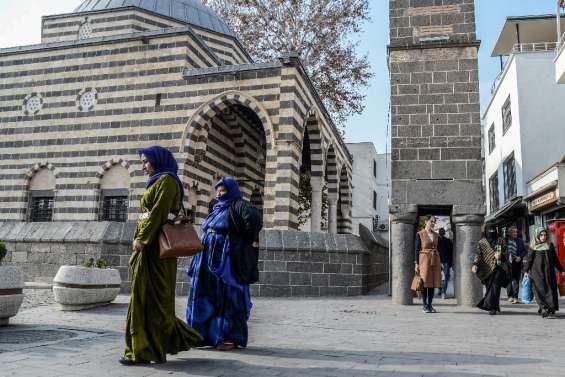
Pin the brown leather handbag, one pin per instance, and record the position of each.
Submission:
(179, 239)
(417, 284)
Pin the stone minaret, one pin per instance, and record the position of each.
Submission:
(436, 133)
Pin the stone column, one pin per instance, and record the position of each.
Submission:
(402, 233)
(468, 288)
(332, 214)
(316, 205)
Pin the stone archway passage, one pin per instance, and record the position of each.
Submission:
(228, 137)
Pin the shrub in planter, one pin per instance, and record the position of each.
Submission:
(86, 286)
(11, 289)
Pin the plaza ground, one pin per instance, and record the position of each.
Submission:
(359, 336)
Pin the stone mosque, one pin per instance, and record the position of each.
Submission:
(114, 76)
(117, 75)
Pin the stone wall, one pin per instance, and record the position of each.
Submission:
(435, 133)
(291, 263)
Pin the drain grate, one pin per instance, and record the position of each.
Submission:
(34, 336)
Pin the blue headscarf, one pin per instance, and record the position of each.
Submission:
(223, 202)
(163, 161)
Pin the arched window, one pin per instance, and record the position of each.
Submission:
(114, 194)
(42, 196)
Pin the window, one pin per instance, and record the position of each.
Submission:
(115, 208)
(375, 168)
(41, 195)
(114, 196)
(33, 103)
(41, 208)
(493, 191)
(85, 30)
(506, 116)
(87, 99)
(158, 100)
(509, 168)
(374, 200)
(491, 139)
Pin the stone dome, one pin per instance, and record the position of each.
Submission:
(189, 11)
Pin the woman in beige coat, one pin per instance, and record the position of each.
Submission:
(428, 263)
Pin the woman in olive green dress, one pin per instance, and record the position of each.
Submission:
(152, 329)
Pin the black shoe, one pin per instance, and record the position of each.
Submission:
(432, 309)
(492, 312)
(124, 360)
(544, 314)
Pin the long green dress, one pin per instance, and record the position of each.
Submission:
(152, 329)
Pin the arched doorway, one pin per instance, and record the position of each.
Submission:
(330, 196)
(229, 136)
(344, 203)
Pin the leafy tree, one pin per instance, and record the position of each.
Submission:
(320, 31)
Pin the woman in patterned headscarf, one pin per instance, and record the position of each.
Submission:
(152, 329)
(541, 266)
(219, 305)
(491, 267)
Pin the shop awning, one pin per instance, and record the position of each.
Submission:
(509, 212)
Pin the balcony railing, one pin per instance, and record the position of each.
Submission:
(534, 47)
(520, 48)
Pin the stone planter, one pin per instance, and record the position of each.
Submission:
(78, 288)
(11, 292)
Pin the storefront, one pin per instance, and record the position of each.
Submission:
(546, 195)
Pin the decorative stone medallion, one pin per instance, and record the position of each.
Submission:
(33, 103)
(87, 99)
(85, 30)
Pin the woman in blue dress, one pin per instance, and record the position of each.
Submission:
(219, 306)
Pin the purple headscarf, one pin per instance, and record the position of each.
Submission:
(163, 161)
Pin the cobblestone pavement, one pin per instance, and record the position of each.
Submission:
(362, 337)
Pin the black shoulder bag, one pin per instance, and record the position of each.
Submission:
(244, 257)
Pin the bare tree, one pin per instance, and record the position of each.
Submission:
(321, 31)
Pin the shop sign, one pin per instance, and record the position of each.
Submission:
(543, 200)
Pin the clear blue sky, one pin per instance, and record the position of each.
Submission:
(490, 16)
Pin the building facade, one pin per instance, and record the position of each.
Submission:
(436, 134)
(369, 201)
(546, 195)
(115, 76)
(523, 130)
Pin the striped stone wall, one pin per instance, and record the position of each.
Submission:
(162, 87)
(67, 27)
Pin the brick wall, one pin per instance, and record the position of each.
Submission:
(291, 263)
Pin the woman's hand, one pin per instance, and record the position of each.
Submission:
(526, 274)
(417, 269)
(497, 255)
(255, 244)
(474, 269)
(138, 246)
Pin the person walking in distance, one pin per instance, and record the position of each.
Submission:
(445, 248)
(428, 263)
(541, 267)
(516, 254)
(490, 264)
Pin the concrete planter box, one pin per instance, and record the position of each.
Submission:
(11, 292)
(78, 288)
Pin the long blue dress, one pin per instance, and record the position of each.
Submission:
(218, 306)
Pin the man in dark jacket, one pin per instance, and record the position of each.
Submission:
(516, 253)
(445, 248)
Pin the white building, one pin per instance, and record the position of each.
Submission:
(524, 121)
(371, 185)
